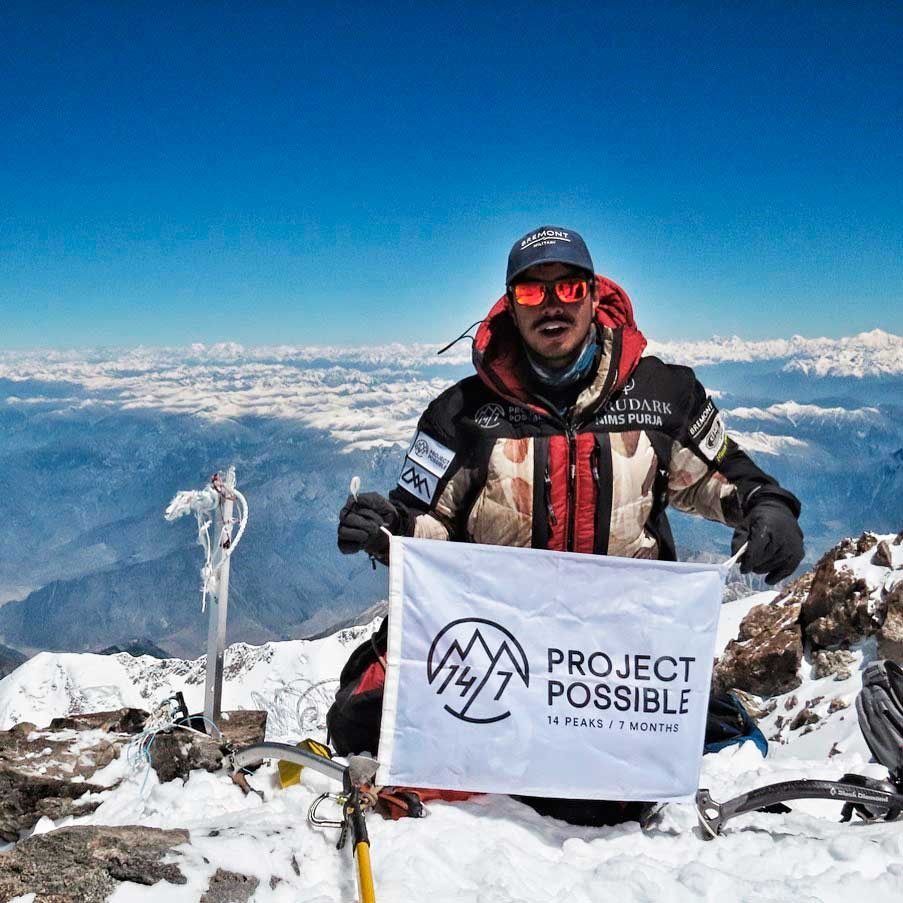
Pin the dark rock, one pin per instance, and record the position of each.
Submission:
(883, 557)
(25, 798)
(890, 636)
(230, 887)
(790, 703)
(834, 751)
(812, 703)
(864, 543)
(120, 721)
(768, 620)
(796, 590)
(85, 864)
(757, 708)
(177, 753)
(826, 664)
(766, 658)
(37, 767)
(803, 717)
(837, 704)
(836, 609)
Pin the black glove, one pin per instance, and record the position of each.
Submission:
(775, 541)
(360, 522)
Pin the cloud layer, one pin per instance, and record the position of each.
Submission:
(364, 397)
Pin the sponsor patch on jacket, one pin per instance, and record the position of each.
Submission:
(426, 462)
(489, 416)
(492, 415)
(709, 434)
(430, 454)
(418, 481)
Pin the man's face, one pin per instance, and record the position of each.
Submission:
(554, 331)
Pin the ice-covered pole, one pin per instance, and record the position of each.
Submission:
(219, 498)
(219, 607)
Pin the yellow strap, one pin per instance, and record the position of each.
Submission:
(365, 888)
(316, 747)
(290, 772)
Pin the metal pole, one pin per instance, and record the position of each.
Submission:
(219, 606)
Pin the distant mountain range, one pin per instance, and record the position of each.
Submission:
(136, 647)
(94, 444)
(10, 659)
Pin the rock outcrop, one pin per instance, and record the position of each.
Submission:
(832, 664)
(48, 772)
(824, 612)
(231, 887)
(177, 753)
(890, 636)
(836, 608)
(765, 659)
(85, 864)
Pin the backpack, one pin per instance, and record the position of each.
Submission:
(728, 722)
(353, 719)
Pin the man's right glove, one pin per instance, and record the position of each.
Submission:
(775, 541)
(360, 523)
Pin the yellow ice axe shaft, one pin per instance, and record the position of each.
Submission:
(359, 770)
(355, 822)
(365, 888)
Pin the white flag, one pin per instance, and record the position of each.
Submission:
(546, 673)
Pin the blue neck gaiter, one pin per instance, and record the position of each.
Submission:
(556, 378)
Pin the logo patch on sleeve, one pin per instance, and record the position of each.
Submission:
(418, 480)
(430, 454)
(714, 442)
(709, 434)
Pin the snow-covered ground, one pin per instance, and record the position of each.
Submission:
(490, 849)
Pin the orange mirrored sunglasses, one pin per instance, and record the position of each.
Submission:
(568, 291)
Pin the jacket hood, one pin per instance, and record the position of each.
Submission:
(499, 360)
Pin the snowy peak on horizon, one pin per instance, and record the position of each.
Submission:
(363, 397)
(794, 413)
(294, 681)
(868, 354)
(873, 353)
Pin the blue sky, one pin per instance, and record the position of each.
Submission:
(357, 173)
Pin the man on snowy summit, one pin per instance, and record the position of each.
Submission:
(567, 438)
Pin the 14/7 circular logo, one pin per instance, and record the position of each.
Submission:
(489, 416)
(471, 664)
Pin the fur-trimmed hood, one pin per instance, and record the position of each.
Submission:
(500, 362)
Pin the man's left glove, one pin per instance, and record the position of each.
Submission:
(360, 523)
(775, 541)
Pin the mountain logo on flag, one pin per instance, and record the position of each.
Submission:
(471, 664)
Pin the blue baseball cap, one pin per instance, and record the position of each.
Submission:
(548, 244)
